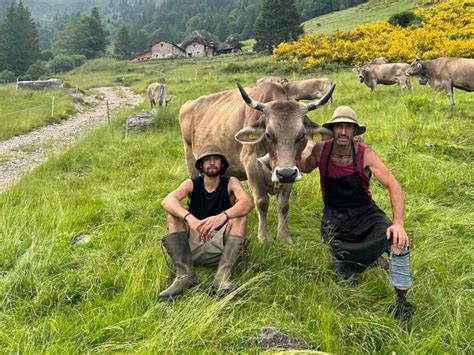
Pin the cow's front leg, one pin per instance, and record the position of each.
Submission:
(449, 92)
(283, 207)
(262, 202)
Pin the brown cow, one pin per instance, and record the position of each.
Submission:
(276, 79)
(273, 125)
(445, 73)
(309, 89)
(157, 96)
(385, 74)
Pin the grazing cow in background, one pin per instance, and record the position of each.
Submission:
(379, 60)
(276, 79)
(157, 96)
(445, 73)
(273, 124)
(309, 89)
(385, 74)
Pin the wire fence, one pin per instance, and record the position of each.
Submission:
(53, 103)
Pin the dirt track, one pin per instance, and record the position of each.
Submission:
(20, 154)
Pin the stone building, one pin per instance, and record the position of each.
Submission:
(166, 50)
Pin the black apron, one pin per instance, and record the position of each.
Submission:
(352, 223)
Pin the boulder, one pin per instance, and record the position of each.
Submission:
(139, 122)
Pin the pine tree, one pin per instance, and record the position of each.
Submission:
(96, 32)
(19, 46)
(277, 22)
(122, 44)
(83, 35)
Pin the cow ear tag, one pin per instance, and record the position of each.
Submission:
(252, 136)
(316, 137)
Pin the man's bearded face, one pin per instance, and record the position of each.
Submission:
(212, 165)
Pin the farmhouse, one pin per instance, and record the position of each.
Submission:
(142, 56)
(166, 50)
(196, 44)
(230, 45)
(199, 44)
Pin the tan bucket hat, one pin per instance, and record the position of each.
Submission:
(345, 114)
(211, 150)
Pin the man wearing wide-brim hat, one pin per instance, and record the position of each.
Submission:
(212, 230)
(357, 230)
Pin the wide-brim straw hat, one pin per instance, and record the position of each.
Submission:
(345, 114)
(211, 150)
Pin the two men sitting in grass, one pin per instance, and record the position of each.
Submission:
(212, 231)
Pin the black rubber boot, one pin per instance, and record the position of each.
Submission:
(381, 262)
(234, 248)
(177, 246)
(403, 309)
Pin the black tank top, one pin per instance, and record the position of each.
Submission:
(204, 204)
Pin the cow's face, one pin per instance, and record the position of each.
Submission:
(362, 73)
(416, 68)
(284, 130)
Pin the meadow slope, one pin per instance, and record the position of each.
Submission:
(61, 297)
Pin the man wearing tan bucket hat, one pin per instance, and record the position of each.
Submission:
(212, 231)
(357, 230)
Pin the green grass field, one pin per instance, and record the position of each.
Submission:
(23, 110)
(58, 297)
(348, 19)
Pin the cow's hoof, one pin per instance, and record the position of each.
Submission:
(287, 240)
(265, 238)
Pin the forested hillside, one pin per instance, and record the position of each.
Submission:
(170, 20)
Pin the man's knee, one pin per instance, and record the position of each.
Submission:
(175, 224)
(237, 226)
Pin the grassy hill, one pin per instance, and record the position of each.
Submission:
(59, 297)
(348, 19)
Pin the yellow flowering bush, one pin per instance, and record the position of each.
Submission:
(447, 30)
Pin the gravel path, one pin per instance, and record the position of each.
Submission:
(20, 154)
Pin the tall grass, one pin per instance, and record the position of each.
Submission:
(56, 296)
(23, 110)
(348, 19)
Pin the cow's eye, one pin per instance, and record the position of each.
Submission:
(270, 137)
(300, 137)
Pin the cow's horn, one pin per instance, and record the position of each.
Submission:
(248, 100)
(314, 105)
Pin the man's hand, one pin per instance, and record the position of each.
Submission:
(206, 226)
(398, 235)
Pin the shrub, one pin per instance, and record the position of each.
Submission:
(7, 76)
(61, 63)
(404, 19)
(78, 59)
(36, 71)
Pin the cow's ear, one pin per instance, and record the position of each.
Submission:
(313, 130)
(251, 134)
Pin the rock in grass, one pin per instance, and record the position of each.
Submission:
(82, 239)
(270, 337)
(139, 122)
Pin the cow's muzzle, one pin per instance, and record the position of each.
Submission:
(286, 175)
(361, 78)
